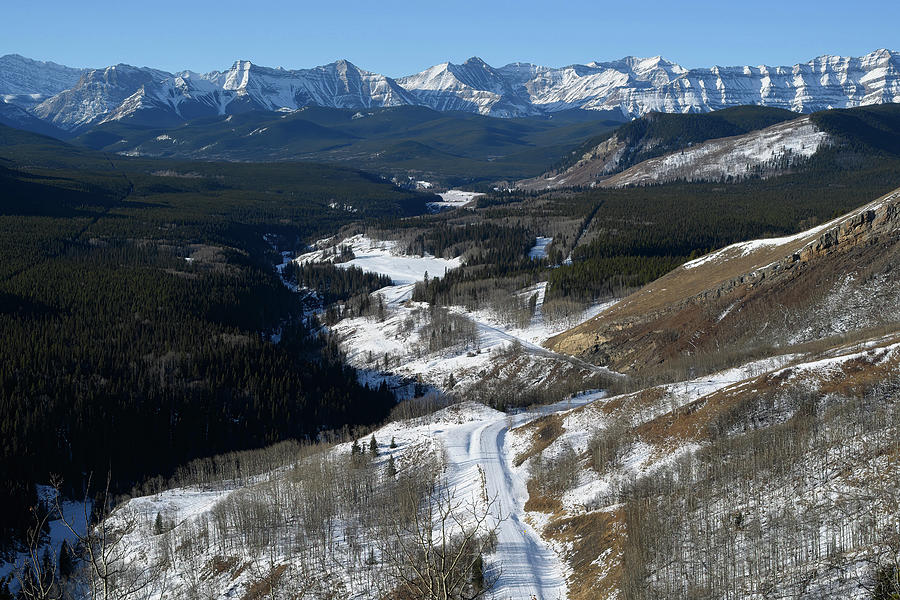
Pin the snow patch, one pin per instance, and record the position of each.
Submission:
(454, 199)
(540, 248)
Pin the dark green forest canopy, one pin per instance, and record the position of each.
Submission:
(136, 303)
(454, 148)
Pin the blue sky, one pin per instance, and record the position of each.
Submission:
(397, 38)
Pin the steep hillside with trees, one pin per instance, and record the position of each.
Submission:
(140, 311)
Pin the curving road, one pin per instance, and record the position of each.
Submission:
(526, 565)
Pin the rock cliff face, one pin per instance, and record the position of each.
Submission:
(835, 279)
(74, 98)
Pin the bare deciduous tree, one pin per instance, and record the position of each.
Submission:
(438, 553)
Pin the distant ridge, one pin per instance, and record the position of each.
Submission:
(74, 100)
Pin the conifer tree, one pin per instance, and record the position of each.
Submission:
(391, 467)
(66, 561)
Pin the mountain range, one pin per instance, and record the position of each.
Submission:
(41, 95)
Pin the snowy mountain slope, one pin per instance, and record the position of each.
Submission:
(468, 442)
(15, 116)
(632, 86)
(146, 96)
(775, 148)
(657, 135)
(473, 86)
(25, 82)
(97, 93)
(338, 85)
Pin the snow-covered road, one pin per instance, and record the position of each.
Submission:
(525, 564)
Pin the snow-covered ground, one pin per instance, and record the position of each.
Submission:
(539, 329)
(541, 246)
(392, 350)
(476, 438)
(382, 256)
(394, 344)
(735, 157)
(525, 563)
(470, 439)
(73, 513)
(454, 199)
(643, 456)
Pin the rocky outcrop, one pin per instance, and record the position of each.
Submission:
(733, 294)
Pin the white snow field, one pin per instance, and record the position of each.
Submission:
(384, 257)
(370, 343)
(454, 199)
(541, 246)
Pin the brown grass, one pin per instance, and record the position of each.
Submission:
(588, 537)
(538, 501)
(693, 421)
(237, 572)
(219, 565)
(672, 326)
(544, 431)
(259, 589)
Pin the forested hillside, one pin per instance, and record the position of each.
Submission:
(609, 241)
(657, 133)
(137, 305)
(453, 148)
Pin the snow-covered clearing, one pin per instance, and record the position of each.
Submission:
(541, 246)
(395, 344)
(538, 329)
(392, 349)
(454, 199)
(382, 256)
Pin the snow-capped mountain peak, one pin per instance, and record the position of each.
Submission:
(25, 82)
(75, 99)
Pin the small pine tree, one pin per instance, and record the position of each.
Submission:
(158, 526)
(451, 381)
(373, 447)
(354, 449)
(391, 467)
(66, 561)
(393, 443)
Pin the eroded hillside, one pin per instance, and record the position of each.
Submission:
(752, 298)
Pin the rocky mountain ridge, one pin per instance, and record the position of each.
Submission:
(75, 99)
